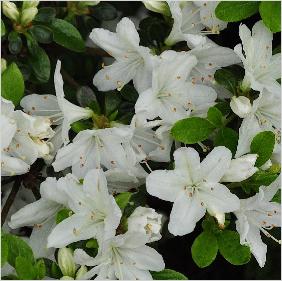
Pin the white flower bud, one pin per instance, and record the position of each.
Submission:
(3, 65)
(158, 7)
(147, 221)
(28, 15)
(82, 270)
(66, 262)
(30, 4)
(241, 106)
(241, 168)
(10, 10)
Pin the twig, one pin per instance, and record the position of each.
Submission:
(10, 199)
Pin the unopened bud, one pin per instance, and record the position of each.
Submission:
(241, 106)
(29, 4)
(66, 262)
(10, 10)
(82, 270)
(28, 15)
(158, 7)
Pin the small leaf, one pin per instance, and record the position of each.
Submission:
(4, 251)
(112, 102)
(227, 137)
(105, 11)
(15, 43)
(62, 215)
(263, 145)
(92, 243)
(85, 96)
(231, 249)
(270, 12)
(24, 268)
(129, 93)
(192, 130)
(12, 84)
(215, 116)
(232, 11)
(204, 249)
(3, 28)
(168, 274)
(66, 35)
(42, 34)
(40, 269)
(81, 125)
(224, 107)
(122, 199)
(45, 15)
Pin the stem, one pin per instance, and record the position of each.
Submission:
(10, 199)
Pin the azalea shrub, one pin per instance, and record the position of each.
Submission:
(140, 140)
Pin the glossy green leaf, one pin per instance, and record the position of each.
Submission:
(45, 15)
(25, 269)
(122, 199)
(270, 12)
(15, 43)
(215, 116)
(227, 137)
(42, 34)
(168, 274)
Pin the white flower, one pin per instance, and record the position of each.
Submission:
(132, 61)
(261, 67)
(146, 221)
(90, 149)
(240, 168)
(41, 214)
(172, 98)
(194, 187)
(157, 6)
(123, 257)
(71, 112)
(96, 213)
(264, 116)
(241, 106)
(257, 214)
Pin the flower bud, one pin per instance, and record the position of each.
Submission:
(28, 15)
(241, 168)
(147, 221)
(82, 270)
(3, 65)
(241, 106)
(158, 7)
(29, 4)
(66, 262)
(10, 10)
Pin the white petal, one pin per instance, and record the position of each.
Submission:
(271, 190)
(11, 166)
(143, 79)
(8, 130)
(82, 258)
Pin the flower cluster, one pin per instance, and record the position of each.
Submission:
(99, 168)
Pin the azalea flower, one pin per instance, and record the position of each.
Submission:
(123, 257)
(258, 214)
(71, 112)
(96, 213)
(146, 221)
(260, 73)
(132, 60)
(189, 20)
(172, 98)
(41, 215)
(264, 116)
(194, 188)
(241, 106)
(90, 149)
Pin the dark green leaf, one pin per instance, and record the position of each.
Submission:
(270, 12)
(215, 116)
(231, 11)
(40, 269)
(81, 125)
(112, 102)
(277, 197)
(231, 249)
(24, 268)
(204, 249)
(66, 35)
(122, 199)
(12, 84)
(42, 34)
(192, 130)
(15, 42)
(224, 107)
(45, 15)
(227, 137)
(263, 145)
(105, 11)
(62, 215)
(168, 274)
(129, 93)
(85, 95)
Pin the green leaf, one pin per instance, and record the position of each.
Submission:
(12, 84)
(230, 77)
(129, 93)
(168, 274)
(215, 116)
(85, 96)
(122, 199)
(3, 28)
(66, 35)
(231, 249)
(204, 249)
(92, 243)
(62, 215)
(15, 42)
(4, 251)
(25, 269)
(45, 15)
(40, 269)
(105, 11)
(17, 248)
(263, 145)
(81, 125)
(277, 197)
(224, 107)
(192, 130)
(42, 34)
(232, 11)
(227, 137)
(270, 12)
